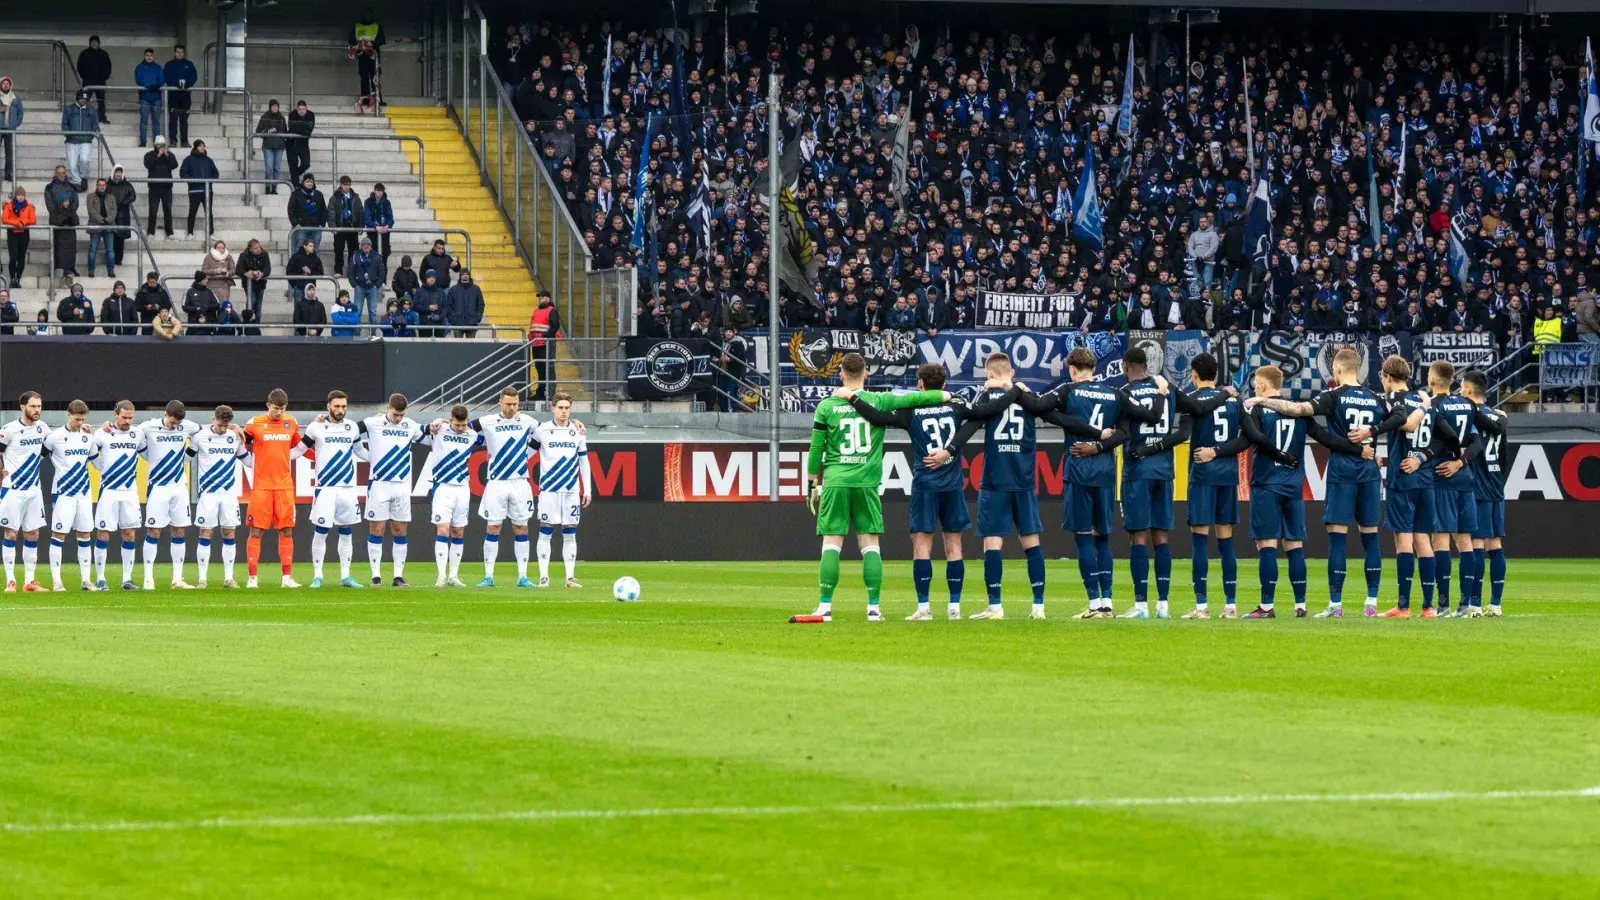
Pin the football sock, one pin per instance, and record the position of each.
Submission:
(229, 552)
(1163, 571)
(922, 579)
(56, 545)
(100, 553)
(955, 576)
(569, 552)
(1441, 576)
(872, 573)
(1297, 574)
(1337, 542)
(441, 554)
(1497, 575)
(85, 559)
(127, 561)
(1467, 576)
(457, 546)
(1269, 576)
(151, 547)
(1478, 554)
(1139, 565)
(827, 576)
(1088, 568)
(544, 551)
(347, 552)
(202, 557)
(286, 553)
(1035, 557)
(252, 554)
(375, 554)
(1102, 546)
(1427, 568)
(1372, 553)
(180, 556)
(8, 555)
(30, 559)
(1230, 570)
(319, 550)
(491, 550)
(993, 571)
(1404, 564)
(1199, 565)
(519, 547)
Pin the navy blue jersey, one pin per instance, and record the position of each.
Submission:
(1403, 444)
(1489, 466)
(1454, 420)
(1287, 434)
(933, 428)
(1158, 465)
(1218, 430)
(1008, 447)
(1347, 408)
(1101, 405)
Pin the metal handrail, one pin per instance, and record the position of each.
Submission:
(58, 71)
(249, 105)
(422, 332)
(422, 152)
(210, 53)
(515, 356)
(50, 284)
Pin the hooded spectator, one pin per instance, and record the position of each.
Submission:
(75, 312)
(465, 301)
(200, 306)
(308, 310)
(430, 303)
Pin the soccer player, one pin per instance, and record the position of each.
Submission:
(117, 451)
(389, 436)
(336, 504)
(1454, 487)
(1489, 469)
(21, 501)
(845, 468)
(217, 450)
(1354, 492)
(271, 439)
(565, 486)
(1217, 439)
(166, 445)
(1409, 514)
(1277, 507)
(507, 492)
(453, 446)
(71, 450)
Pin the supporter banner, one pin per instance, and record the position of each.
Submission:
(996, 309)
(817, 352)
(658, 369)
(1567, 365)
(1464, 351)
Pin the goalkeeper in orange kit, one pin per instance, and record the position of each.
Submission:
(271, 438)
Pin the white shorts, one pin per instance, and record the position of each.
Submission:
(451, 505)
(117, 510)
(72, 514)
(504, 500)
(560, 507)
(389, 501)
(23, 510)
(167, 507)
(217, 511)
(338, 506)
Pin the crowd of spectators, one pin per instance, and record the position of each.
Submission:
(999, 121)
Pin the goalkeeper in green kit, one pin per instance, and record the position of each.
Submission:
(845, 467)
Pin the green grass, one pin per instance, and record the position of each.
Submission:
(287, 713)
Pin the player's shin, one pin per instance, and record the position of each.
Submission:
(922, 579)
(519, 546)
(1372, 561)
(30, 559)
(286, 552)
(252, 553)
(127, 560)
(57, 546)
(872, 573)
(180, 556)
(1102, 546)
(441, 554)
(1200, 567)
(402, 546)
(993, 574)
(1497, 575)
(545, 532)
(1269, 576)
(319, 550)
(375, 554)
(1088, 567)
(1404, 567)
(827, 577)
(955, 576)
(202, 557)
(1163, 567)
(457, 546)
(569, 551)
(1478, 556)
(1441, 576)
(491, 552)
(229, 549)
(1139, 566)
(1230, 570)
(8, 556)
(1035, 555)
(86, 561)
(1297, 574)
(100, 553)
(150, 551)
(347, 551)
(1338, 542)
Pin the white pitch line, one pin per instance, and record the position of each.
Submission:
(362, 623)
(296, 604)
(547, 815)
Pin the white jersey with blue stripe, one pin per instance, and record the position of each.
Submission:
(509, 442)
(389, 447)
(335, 445)
(24, 448)
(448, 464)
(216, 461)
(166, 451)
(563, 457)
(118, 461)
(71, 452)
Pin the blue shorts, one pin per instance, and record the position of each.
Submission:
(1491, 520)
(1213, 504)
(1277, 517)
(1005, 512)
(1456, 512)
(1086, 508)
(944, 511)
(1353, 504)
(1146, 504)
(1410, 511)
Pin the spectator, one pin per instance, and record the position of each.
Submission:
(79, 121)
(378, 213)
(367, 275)
(102, 208)
(201, 306)
(179, 75)
(94, 71)
(218, 267)
(308, 213)
(75, 312)
(440, 263)
(401, 320)
(344, 211)
(199, 171)
(302, 268)
(430, 303)
(1588, 318)
(64, 235)
(122, 190)
(735, 364)
(150, 300)
(1204, 245)
(308, 310)
(301, 123)
(42, 326)
(253, 269)
(159, 166)
(10, 120)
(229, 321)
(405, 281)
(166, 326)
(149, 76)
(250, 324)
(344, 316)
(366, 42)
(735, 316)
(901, 317)
(9, 316)
(544, 328)
(60, 190)
(465, 303)
(118, 313)
(272, 122)
(17, 216)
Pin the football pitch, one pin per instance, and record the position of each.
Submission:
(466, 742)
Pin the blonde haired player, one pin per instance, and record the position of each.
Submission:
(22, 502)
(71, 449)
(449, 470)
(565, 486)
(217, 451)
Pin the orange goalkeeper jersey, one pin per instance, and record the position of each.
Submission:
(271, 442)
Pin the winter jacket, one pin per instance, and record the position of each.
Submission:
(9, 316)
(179, 73)
(272, 123)
(253, 262)
(1588, 317)
(366, 269)
(344, 210)
(196, 166)
(1204, 244)
(57, 191)
(102, 209)
(219, 275)
(160, 165)
(18, 219)
(201, 306)
(11, 120)
(94, 66)
(302, 126)
(430, 305)
(119, 315)
(149, 301)
(465, 308)
(149, 76)
(440, 265)
(66, 312)
(308, 210)
(347, 316)
(378, 213)
(126, 196)
(297, 266)
(80, 118)
(309, 311)
(405, 282)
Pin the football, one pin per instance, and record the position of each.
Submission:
(626, 590)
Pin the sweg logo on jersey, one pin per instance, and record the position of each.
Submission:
(274, 437)
(508, 426)
(169, 438)
(561, 445)
(394, 433)
(75, 451)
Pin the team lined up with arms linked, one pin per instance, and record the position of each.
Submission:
(1445, 482)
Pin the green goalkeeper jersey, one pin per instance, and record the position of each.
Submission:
(849, 447)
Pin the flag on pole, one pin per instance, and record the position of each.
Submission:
(680, 98)
(1591, 105)
(1061, 212)
(641, 185)
(1460, 265)
(1249, 127)
(605, 79)
(1258, 223)
(900, 160)
(1087, 224)
(1372, 186)
(699, 210)
(1125, 113)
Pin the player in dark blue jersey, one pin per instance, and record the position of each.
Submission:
(937, 499)
(1354, 483)
(1216, 441)
(1408, 514)
(1277, 504)
(1454, 486)
(1490, 470)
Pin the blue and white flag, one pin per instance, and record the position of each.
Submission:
(1087, 224)
(699, 211)
(1061, 212)
(1125, 113)
(1460, 265)
(605, 79)
(641, 184)
(1591, 104)
(1258, 224)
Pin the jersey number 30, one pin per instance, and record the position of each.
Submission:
(857, 437)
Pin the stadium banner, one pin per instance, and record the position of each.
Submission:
(658, 369)
(1567, 365)
(1464, 351)
(1050, 312)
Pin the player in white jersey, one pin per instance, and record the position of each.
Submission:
(389, 438)
(565, 486)
(71, 449)
(117, 448)
(166, 505)
(21, 500)
(217, 451)
(336, 440)
(507, 492)
(449, 471)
